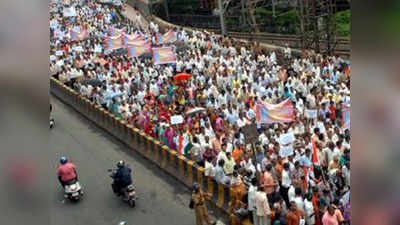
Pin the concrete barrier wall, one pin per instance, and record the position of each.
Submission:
(181, 168)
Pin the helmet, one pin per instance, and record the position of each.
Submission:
(63, 160)
(120, 164)
(195, 186)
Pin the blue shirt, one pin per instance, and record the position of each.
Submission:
(334, 77)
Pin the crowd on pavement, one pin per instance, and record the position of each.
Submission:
(227, 81)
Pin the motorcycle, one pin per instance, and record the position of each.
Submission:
(128, 194)
(52, 123)
(73, 190)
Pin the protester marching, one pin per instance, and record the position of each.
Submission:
(198, 93)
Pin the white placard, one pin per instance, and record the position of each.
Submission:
(287, 138)
(321, 127)
(79, 49)
(59, 52)
(286, 151)
(177, 119)
(69, 12)
(98, 48)
(311, 113)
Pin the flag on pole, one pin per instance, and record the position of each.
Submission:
(180, 144)
(163, 56)
(315, 153)
(305, 178)
(269, 113)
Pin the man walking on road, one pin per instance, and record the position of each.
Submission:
(200, 206)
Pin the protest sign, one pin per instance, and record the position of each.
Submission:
(287, 138)
(311, 113)
(69, 12)
(59, 52)
(286, 151)
(98, 48)
(177, 119)
(321, 127)
(78, 49)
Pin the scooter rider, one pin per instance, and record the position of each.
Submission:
(122, 178)
(66, 171)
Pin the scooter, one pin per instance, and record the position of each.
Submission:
(73, 190)
(128, 194)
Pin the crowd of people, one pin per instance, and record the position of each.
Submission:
(228, 79)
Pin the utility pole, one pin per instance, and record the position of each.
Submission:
(315, 26)
(221, 17)
(151, 7)
(166, 9)
(273, 9)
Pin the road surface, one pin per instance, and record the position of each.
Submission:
(162, 199)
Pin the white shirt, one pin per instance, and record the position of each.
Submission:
(286, 181)
(299, 202)
(291, 193)
(209, 169)
(309, 210)
(337, 152)
(252, 197)
(329, 154)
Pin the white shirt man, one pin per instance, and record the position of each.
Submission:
(309, 210)
(299, 202)
(291, 193)
(286, 180)
(209, 170)
(252, 198)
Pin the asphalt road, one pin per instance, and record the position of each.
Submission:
(162, 199)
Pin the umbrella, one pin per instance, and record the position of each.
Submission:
(182, 76)
(195, 110)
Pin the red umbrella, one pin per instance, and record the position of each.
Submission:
(182, 76)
